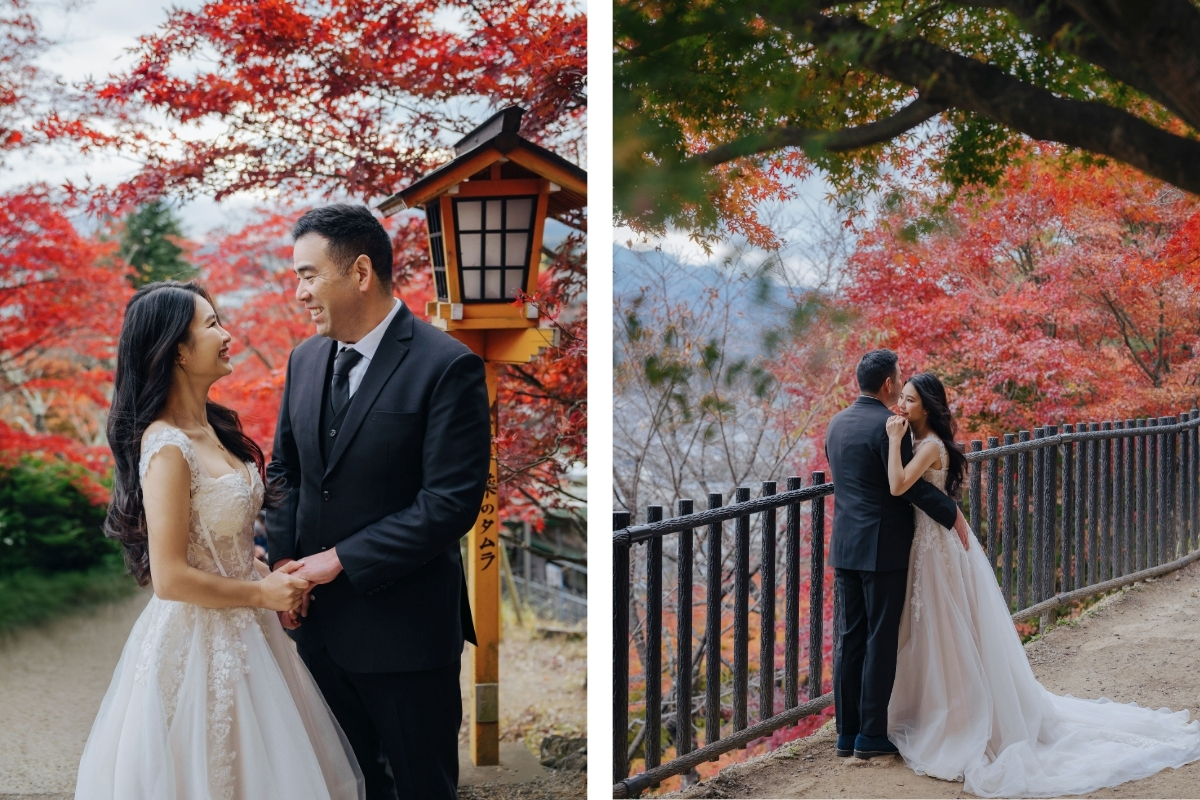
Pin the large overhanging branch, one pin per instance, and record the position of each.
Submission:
(884, 130)
(943, 76)
(1062, 28)
(1158, 38)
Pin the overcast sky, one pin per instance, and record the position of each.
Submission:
(91, 38)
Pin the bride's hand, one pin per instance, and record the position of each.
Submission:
(282, 591)
(897, 426)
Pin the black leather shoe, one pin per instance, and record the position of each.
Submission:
(871, 746)
(845, 745)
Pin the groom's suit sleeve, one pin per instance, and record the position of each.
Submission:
(454, 465)
(285, 465)
(923, 494)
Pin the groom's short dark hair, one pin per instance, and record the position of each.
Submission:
(351, 231)
(874, 368)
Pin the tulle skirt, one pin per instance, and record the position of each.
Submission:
(214, 704)
(966, 705)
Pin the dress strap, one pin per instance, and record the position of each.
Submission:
(162, 437)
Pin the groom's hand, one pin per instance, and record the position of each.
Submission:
(960, 527)
(320, 567)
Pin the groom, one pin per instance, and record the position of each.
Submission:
(381, 451)
(869, 548)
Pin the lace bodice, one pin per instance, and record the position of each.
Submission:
(937, 476)
(223, 509)
(928, 535)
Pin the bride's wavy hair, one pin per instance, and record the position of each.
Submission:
(941, 422)
(158, 320)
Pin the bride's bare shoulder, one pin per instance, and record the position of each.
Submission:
(927, 454)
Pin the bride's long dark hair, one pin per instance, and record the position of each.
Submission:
(941, 422)
(158, 320)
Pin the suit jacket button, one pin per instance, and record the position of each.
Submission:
(326, 495)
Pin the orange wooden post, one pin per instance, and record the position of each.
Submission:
(483, 583)
(499, 189)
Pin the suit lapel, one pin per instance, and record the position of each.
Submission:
(309, 412)
(392, 349)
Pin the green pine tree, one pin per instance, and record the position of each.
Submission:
(149, 243)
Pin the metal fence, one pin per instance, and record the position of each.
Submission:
(551, 603)
(1084, 509)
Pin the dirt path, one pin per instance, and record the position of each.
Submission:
(53, 677)
(1142, 645)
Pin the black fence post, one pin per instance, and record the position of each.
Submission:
(1039, 518)
(974, 494)
(791, 624)
(1068, 506)
(1049, 508)
(1178, 456)
(1093, 480)
(1081, 485)
(652, 743)
(1104, 571)
(1010, 522)
(1193, 476)
(620, 652)
(1128, 449)
(766, 611)
(1142, 466)
(712, 629)
(993, 504)
(1023, 523)
(1164, 491)
(1119, 483)
(816, 592)
(683, 677)
(1153, 489)
(741, 613)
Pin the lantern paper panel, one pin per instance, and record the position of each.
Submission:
(494, 239)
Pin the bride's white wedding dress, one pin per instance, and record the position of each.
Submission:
(966, 705)
(214, 704)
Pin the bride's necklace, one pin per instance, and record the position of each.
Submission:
(206, 432)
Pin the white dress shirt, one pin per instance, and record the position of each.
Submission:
(367, 346)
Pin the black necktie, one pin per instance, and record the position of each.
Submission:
(340, 389)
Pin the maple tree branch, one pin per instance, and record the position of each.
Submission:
(1125, 324)
(941, 75)
(910, 116)
(1066, 30)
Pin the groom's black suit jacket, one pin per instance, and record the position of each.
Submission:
(872, 530)
(402, 484)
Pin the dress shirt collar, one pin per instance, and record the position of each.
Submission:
(368, 344)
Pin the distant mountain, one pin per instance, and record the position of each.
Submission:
(691, 282)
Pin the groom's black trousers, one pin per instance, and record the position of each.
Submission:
(864, 657)
(414, 715)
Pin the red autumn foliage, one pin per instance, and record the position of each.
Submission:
(344, 97)
(1065, 294)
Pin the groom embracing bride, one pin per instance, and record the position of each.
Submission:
(869, 552)
(927, 663)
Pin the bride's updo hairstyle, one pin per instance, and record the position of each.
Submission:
(941, 422)
(158, 319)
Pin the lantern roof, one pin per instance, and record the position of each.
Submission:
(496, 141)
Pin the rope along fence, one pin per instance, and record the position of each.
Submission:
(1063, 513)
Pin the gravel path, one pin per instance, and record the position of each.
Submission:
(1140, 645)
(53, 677)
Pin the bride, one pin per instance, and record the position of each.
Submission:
(210, 700)
(966, 705)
